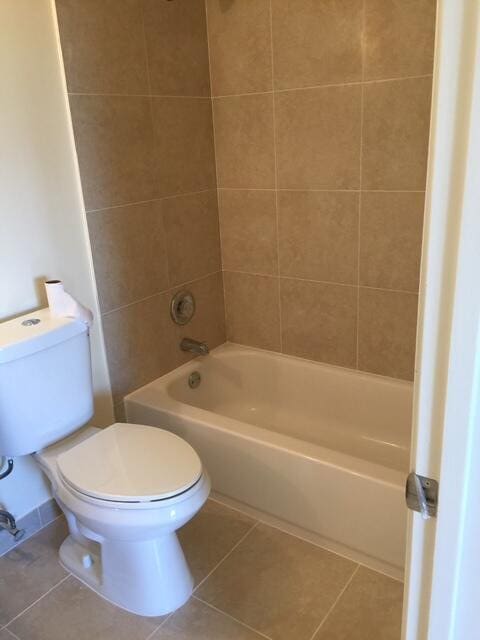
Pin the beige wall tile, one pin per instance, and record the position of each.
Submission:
(316, 42)
(286, 584)
(248, 228)
(193, 241)
(197, 620)
(395, 134)
(318, 138)
(252, 310)
(141, 344)
(184, 144)
(113, 137)
(391, 240)
(129, 253)
(72, 610)
(210, 535)
(318, 235)
(244, 141)
(399, 38)
(386, 333)
(176, 36)
(319, 321)
(208, 323)
(240, 46)
(371, 607)
(103, 46)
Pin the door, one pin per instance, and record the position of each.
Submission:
(443, 561)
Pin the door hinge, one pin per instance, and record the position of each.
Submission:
(421, 494)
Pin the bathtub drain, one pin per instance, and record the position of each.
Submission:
(194, 380)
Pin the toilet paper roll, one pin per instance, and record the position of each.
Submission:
(63, 305)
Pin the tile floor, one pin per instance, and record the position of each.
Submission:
(252, 582)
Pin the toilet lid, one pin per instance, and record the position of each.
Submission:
(131, 463)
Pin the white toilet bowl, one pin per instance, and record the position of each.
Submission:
(125, 490)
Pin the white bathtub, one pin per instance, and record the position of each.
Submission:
(322, 448)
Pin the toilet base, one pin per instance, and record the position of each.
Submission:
(148, 577)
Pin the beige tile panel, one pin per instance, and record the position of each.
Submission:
(395, 134)
(198, 621)
(193, 240)
(319, 321)
(277, 584)
(370, 608)
(211, 535)
(103, 46)
(114, 142)
(49, 511)
(252, 310)
(318, 235)
(391, 240)
(28, 571)
(386, 333)
(208, 323)
(318, 138)
(399, 38)
(176, 36)
(141, 344)
(72, 611)
(240, 46)
(184, 144)
(129, 253)
(248, 228)
(316, 42)
(244, 141)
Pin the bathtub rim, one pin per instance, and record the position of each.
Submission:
(154, 395)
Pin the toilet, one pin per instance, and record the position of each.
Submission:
(125, 490)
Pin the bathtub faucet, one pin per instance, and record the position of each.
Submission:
(193, 346)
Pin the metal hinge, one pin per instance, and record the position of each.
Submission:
(421, 495)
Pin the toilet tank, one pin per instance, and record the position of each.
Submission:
(46, 388)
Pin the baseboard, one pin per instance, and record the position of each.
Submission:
(32, 523)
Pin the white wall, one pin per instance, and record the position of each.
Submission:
(43, 229)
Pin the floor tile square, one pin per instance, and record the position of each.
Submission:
(210, 535)
(277, 584)
(369, 609)
(73, 611)
(30, 570)
(198, 621)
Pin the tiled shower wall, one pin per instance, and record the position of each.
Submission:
(139, 90)
(321, 119)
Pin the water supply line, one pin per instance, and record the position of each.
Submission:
(7, 520)
(9, 469)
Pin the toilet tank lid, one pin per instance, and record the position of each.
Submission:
(35, 331)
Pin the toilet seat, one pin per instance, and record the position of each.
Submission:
(130, 463)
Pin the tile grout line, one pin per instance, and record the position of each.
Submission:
(163, 622)
(304, 190)
(245, 535)
(216, 164)
(275, 168)
(152, 123)
(327, 282)
(161, 199)
(251, 93)
(329, 85)
(337, 599)
(360, 179)
(160, 293)
(227, 615)
(36, 601)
